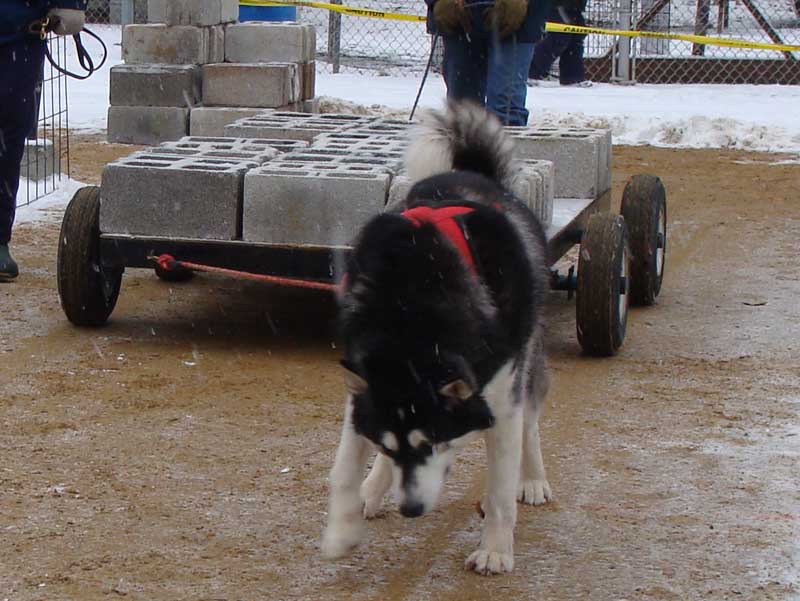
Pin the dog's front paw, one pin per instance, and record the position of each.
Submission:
(490, 562)
(339, 540)
(534, 492)
(372, 497)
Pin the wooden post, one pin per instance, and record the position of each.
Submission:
(701, 25)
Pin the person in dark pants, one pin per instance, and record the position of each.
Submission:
(21, 62)
(566, 47)
(488, 46)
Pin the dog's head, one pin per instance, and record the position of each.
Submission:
(418, 413)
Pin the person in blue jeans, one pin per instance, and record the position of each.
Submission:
(21, 63)
(488, 45)
(566, 47)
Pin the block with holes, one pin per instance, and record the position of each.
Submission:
(533, 183)
(308, 203)
(257, 151)
(294, 126)
(162, 195)
(581, 157)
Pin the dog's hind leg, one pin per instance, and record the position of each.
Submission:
(376, 485)
(533, 487)
(345, 520)
(495, 554)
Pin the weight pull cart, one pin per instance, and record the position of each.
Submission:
(621, 259)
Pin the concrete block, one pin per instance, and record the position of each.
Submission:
(211, 121)
(308, 78)
(385, 128)
(310, 207)
(155, 43)
(398, 192)
(575, 154)
(295, 126)
(192, 12)
(215, 44)
(256, 151)
(156, 85)
(345, 161)
(250, 85)
(264, 42)
(533, 184)
(39, 159)
(149, 194)
(146, 125)
(311, 105)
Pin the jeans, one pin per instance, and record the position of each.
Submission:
(20, 71)
(566, 47)
(491, 72)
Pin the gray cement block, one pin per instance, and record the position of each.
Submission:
(310, 207)
(310, 106)
(308, 79)
(192, 12)
(256, 151)
(39, 159)
(264, 42)
(398, 192)
(576, 155)
(146, 125)
(250, 85)
(155, 43)
(533, 183)
(148, 194)
(211, 121)
(155, 85)
(215, 44)
(295, 126)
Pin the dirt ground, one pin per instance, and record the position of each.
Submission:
(182, 451)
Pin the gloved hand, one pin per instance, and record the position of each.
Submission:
(66, 21)
(451, 16)
(505, 16)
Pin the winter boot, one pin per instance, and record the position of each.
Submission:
(8, 266)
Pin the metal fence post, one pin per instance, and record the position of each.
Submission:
(621, 69)
(335, 37)
(127, 12)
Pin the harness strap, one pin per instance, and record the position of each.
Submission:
(444, 220)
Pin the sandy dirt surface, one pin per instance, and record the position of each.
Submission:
(182, 451)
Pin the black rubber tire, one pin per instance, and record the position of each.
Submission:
(644, 207)
(88, 292)
(602, 265)
(174, 275)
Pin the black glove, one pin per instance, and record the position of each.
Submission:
(505, 16)
(451, 16)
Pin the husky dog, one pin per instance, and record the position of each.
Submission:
(441, 319)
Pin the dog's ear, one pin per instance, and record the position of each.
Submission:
(354, 383)
(457, 390)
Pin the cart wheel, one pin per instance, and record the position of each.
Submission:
(88, 291)
(644, 207)
(602, 285)
(173, 275)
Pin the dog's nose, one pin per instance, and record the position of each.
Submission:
(412, 510)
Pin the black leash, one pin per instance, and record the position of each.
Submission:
(42, 27)
(424, 76)
(84, 58)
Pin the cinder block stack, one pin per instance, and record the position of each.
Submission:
(192, 68)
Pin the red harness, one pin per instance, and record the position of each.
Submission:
(443, 220)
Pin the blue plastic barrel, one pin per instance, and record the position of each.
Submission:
(267, 13)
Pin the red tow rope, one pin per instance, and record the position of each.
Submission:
(169, 263)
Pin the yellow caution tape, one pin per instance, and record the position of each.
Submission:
(697, 39)
(337, 8)
(554, 27)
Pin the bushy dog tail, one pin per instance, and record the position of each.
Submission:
(464, 137)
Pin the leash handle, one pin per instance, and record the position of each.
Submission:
(84, 58)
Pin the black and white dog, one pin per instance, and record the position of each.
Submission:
(441, 318)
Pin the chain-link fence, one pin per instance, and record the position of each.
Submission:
(46, 156)
(346, 43)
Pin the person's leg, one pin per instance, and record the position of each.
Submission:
(464, 69)
(20, 71)
(544, 55)
(507, 80)
(570, 65)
